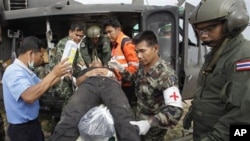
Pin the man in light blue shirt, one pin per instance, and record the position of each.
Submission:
(22, 89)
(18, 78)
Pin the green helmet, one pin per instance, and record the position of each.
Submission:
(165, 29)
(94, 31)
(234, 13)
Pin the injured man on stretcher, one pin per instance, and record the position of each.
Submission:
(96, 85)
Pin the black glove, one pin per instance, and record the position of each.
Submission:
(188, 119)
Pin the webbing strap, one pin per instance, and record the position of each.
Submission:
(216, 57)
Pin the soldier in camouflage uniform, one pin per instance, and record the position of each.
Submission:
(66, 86)
(223, 88)
(2, 131)
(159, 104)
(42, 70)
(96, 46)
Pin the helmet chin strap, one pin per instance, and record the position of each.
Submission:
(208, 43)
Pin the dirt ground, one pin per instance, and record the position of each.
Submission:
(171, 134)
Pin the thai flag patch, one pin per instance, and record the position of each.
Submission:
(243, 65)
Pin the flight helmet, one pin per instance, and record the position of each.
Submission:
(233, 12)
(94, 31)
(166, 29)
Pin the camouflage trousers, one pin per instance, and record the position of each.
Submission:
(2, 131)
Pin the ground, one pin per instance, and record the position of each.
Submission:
(46, 125)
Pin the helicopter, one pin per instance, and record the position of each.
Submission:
(49, 20)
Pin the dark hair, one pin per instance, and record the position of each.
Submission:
(147, 36)
(31, 43)
(111, 22)
(78, 26)
(2, 17)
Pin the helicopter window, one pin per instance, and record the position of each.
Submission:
(165, 28)
(164, 39)
(135, 30)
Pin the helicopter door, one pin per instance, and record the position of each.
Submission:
(164, 23)
(192, 56)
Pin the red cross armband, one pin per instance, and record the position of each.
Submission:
(172, 96)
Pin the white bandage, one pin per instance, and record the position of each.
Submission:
(109, 74)
(172, 97)
(114, 64)
(74, 80)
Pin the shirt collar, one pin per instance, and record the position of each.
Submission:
(21, 64)
(153, 67)
(118, 40)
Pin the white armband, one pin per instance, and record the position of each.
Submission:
(172, 96)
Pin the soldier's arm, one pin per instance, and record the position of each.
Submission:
(171, 111)
(85, 54)
(106, 52)
(128, 76)
(78, 64)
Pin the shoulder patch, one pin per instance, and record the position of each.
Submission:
(243, 65)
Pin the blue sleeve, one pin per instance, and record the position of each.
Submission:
(19, 81)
